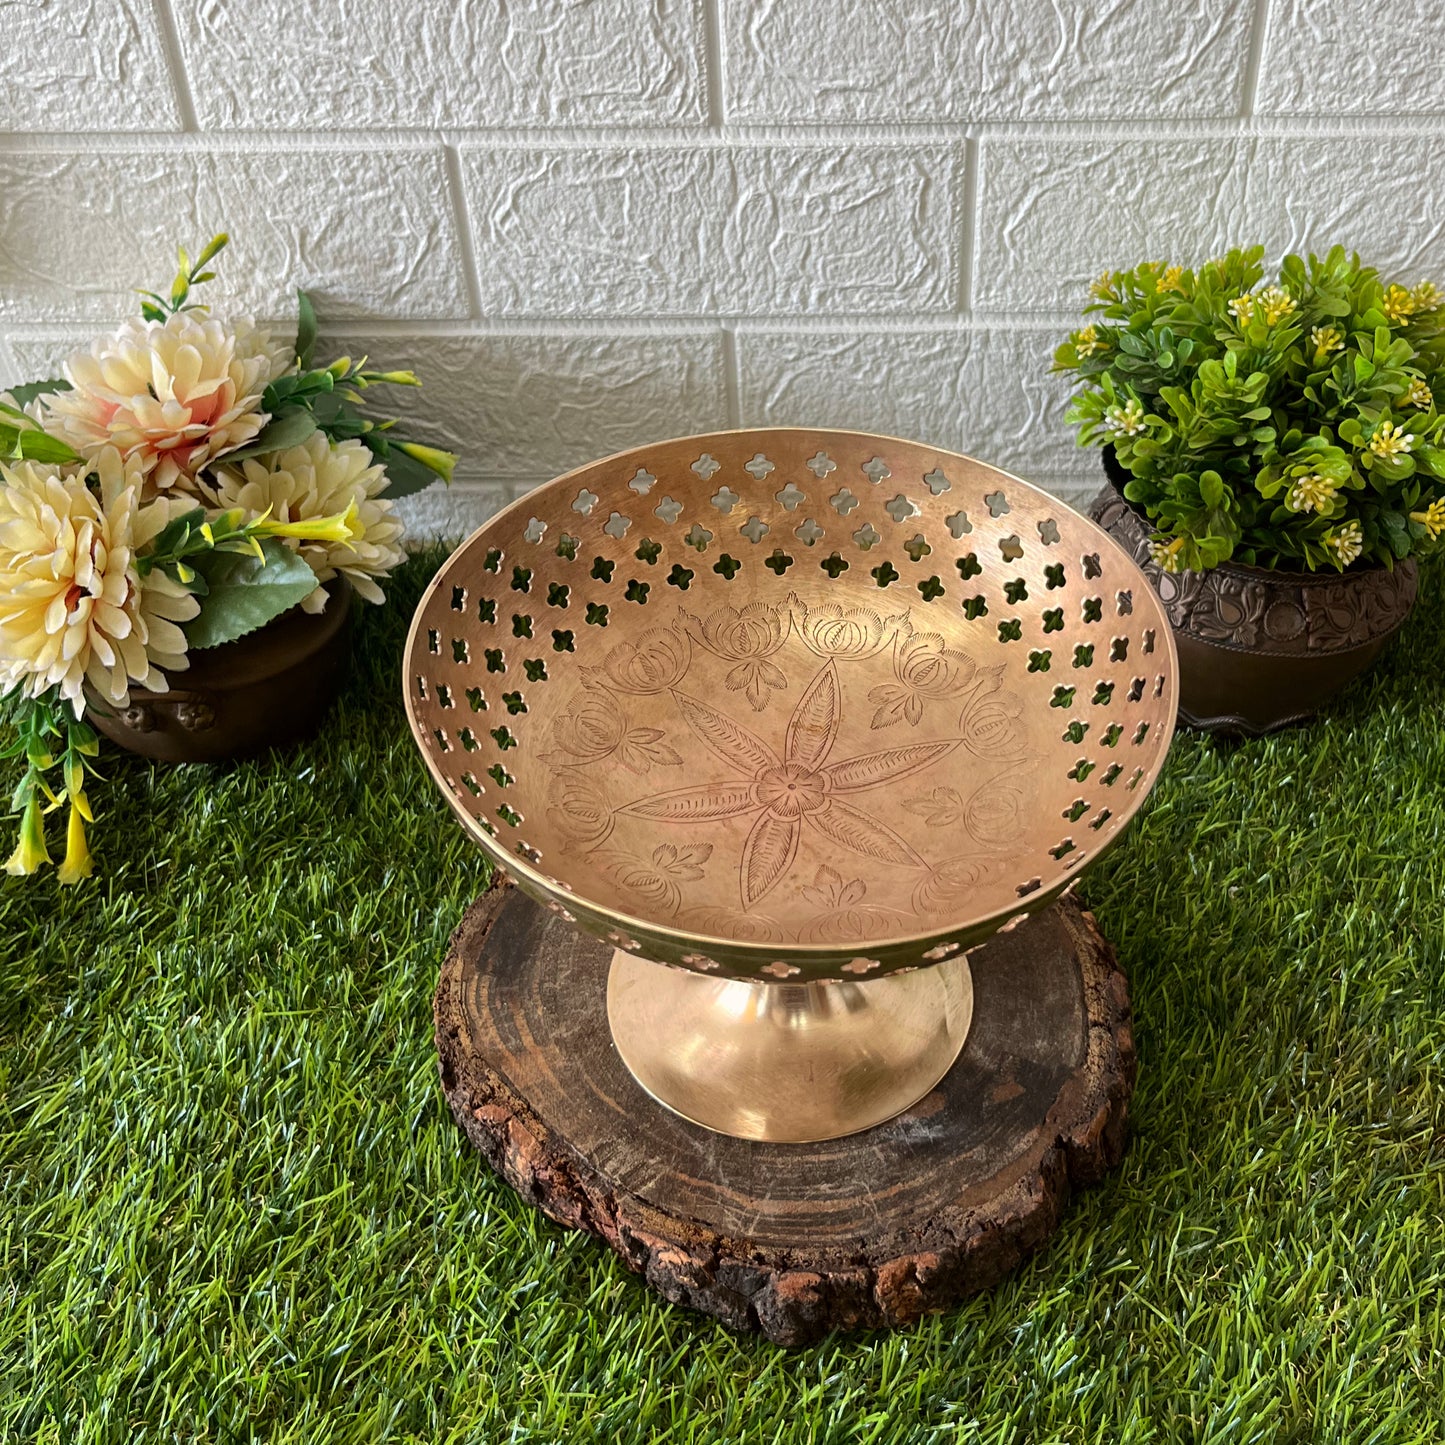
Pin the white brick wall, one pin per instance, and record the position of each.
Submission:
(591, 223)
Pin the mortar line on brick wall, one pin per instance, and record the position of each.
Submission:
(732, 377)
(1410, 127)
(176, 65)
(607, 328)
(1258, 29)
(461, 216)
(968, 208)
(712, 63)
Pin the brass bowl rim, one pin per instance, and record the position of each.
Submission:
(634, 926)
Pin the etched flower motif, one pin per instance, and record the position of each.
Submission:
(580, 807)
(1313, 493)
(845, 916)
(654, 663)
(786, 792)
(747, 636)
(851, 633)
(595, 728)
(659, 880)
(927, 670)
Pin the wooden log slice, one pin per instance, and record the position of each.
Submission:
(794, 1240)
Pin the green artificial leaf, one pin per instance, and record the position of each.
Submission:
(286, 429)
(244, 592)
(305, 330)
(24, 395)
(29, 443)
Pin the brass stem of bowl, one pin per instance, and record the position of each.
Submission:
(788, 1063)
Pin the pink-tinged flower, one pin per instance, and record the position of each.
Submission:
(927, 669)
(76, 609)
(748, 637)
(800, 787)
(851, 633)
(169, 396)
(654, 663)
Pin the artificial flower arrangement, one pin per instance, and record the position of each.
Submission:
(184, 483)
(1292, 426)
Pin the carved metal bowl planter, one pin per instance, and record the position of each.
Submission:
(269, 689)
(793, 719)
(1259, 650)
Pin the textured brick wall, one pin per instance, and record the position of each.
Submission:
(592, 223)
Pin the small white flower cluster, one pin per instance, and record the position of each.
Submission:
(1346, 542)
(1313, 493)
(1127, 420)
(1391, 441)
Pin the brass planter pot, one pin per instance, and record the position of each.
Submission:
(269, 689)
(1259, 650)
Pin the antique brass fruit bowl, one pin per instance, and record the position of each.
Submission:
(792, 719)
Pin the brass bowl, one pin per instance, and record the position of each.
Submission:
(791, 706)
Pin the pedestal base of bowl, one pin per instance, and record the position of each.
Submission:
(793, 1240)
(787, 1063)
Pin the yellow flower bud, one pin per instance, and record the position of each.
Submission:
(78, 862)
(30, 852)
(432, 458)
(339, 527)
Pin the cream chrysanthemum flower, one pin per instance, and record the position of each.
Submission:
(76, 609)
(171, 396)
(314, 480)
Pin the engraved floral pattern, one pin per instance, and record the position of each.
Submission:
(748, 637)
(660, 879)
(788, 791)
(652, 664)
(845, 916)
(594, 728)
(845, 633)
(927, 670)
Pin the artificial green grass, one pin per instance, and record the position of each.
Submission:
(233, 1205)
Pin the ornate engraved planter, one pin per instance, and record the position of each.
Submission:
(269, 689)
(792, 720)
(1259, 650)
